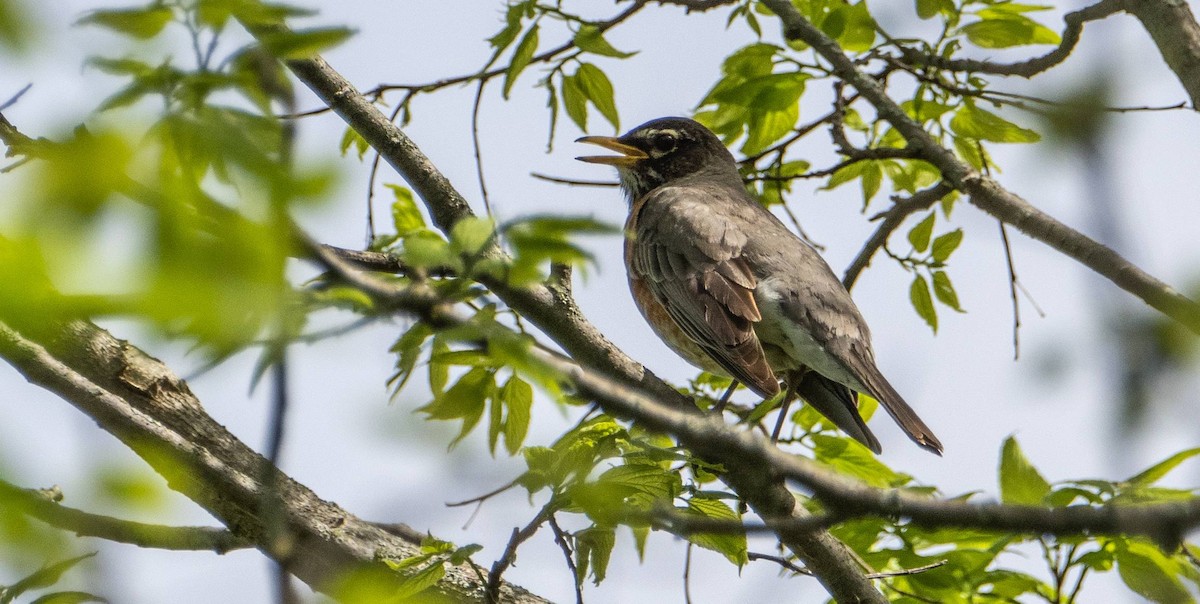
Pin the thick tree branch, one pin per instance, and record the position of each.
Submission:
(985, 193)
(1174, 29)
(45, 505)
(140, 401)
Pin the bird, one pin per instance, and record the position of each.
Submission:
(727, 286)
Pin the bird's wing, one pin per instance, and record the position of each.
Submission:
(690, 257)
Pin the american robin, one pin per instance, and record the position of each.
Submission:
(730, 289)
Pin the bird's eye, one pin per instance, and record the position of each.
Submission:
(664, 142)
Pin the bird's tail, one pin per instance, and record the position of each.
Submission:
(894, 404)
(837, 403)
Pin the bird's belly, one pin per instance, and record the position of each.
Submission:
(789, 346)
(670, 333)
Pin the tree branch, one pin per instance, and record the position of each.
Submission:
(1027, 69)
(45, 505)
(984, 192)
(1174, 29)
(140, 401)
(892, 219)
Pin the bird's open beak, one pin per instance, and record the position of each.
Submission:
(630, 155)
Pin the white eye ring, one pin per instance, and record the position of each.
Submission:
(663, 142)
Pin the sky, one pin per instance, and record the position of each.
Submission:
(381, 461)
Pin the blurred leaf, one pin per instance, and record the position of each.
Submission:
(973, 122)
(1151, 574)
(304, 43)
(922, 302)
(1155, 472)
(521, 58)
(927, 9)
(730, 545)
(944, 290)
(1020, 482)
(405, 216)
(43, 577)
(589, 38)
(142, 23)
(16, 26)
(919, 235)
(423, 579)
(858, 32)
(68, 597)
(351, 138)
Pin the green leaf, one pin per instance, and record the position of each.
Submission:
(593, 547)
(469, 235)
(68, 597)
(141, 23)
(918, 294)
(415, 583)
(574, 101)
(1155, 472)
(518, 397)
(408, 348)
(944, 290)
(599, 91)
(1020, 482)
(980, 124)
(589, 38)
(945, 245)
(1009, 30)
(304, 43)
(43, 577)
(1150, 573)
(872, 178)
(927, 9)
(771, 92)
(919, 235)
(521, 58)
(848, 456)
(858, 33)
(350, 138)
(405, 215)
(464, 400)
(729, 544)
(464, 553)
(970, 150)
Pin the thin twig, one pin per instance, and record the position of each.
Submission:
(484, 497)
(16, 97)
(1012, 291)
(492, 593)
(1070, 37)
(487, 202)
(560, 537)
(687, 572)
(892, 219)
(575, 182)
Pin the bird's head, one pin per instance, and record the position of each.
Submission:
(661, 151)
